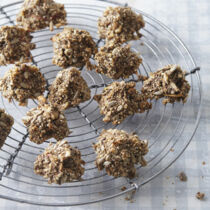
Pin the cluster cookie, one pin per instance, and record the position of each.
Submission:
(117, 61)
(168, 83)
(73, 47)
(45, 122)
(60, 163)
(6, 123)
(118, 152)
(120, 100)
(15, 45)
(120, 24)
(69, 89)
(39, 14)
(22, 82)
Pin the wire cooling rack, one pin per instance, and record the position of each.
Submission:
(168, 129)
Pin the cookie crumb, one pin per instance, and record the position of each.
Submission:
(123, 188)
(200, 195)
(203, 163)
(130, 196)
(172, 150)
(182, 176)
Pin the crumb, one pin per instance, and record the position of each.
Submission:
(130, 196)
(127, 198)
(167, 177)
(172, 182)
(142, 78)
(200, 196)
(123, 188)
(172, 150)
(203, 163)
(182, 176)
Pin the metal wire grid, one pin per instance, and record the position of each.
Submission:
(169, 129)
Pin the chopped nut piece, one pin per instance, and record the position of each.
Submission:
(117, 62)
(60, 163)
(15, 45)
(200, 195)
(22, 82)
(119, 100)
(182, 177)
(123, 188)
(39, 14)
(45, 122)
(168, 82)
(6, 123)
(118, 152)
(120, 24)
(68, 89)
(73, 47)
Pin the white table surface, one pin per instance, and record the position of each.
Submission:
(190, 19)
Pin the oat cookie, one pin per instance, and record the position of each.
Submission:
(73, 47)
(15, 45)
(60, 163)
(6, 123)
(39, 14)
(117, 62)
(119, 100)
(22, 82)
(69, 89)
(45, 122)
(168, 83)
(118, 152)
(120, 24)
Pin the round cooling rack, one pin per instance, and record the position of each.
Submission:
(169, 129)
